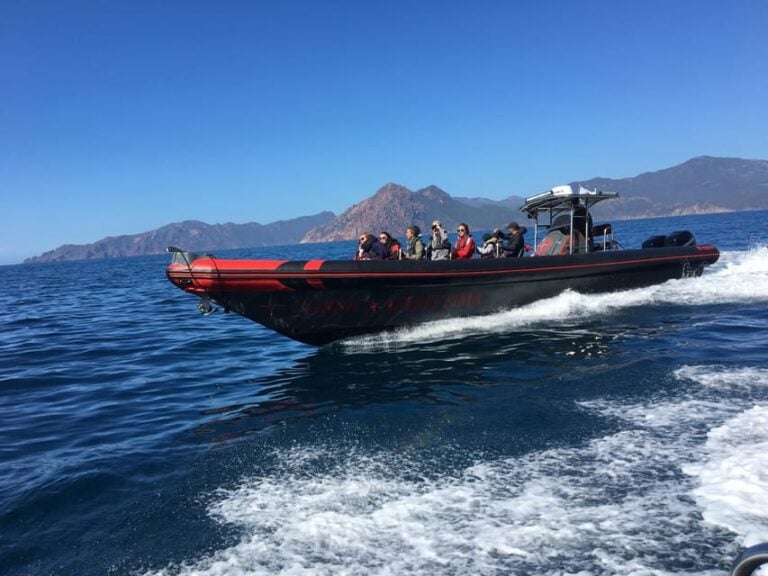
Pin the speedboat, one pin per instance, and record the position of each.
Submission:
(319, 301)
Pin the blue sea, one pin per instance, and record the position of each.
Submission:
(622, 433)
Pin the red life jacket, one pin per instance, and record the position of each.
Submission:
(465, 248)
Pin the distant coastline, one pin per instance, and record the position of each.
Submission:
(702, 185)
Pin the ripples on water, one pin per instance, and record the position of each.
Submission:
(621, 433)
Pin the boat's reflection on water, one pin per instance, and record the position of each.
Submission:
(392, 373)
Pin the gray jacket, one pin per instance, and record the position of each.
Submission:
(439, 246)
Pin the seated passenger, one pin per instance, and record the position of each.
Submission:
(369, 248)
(514, 241)
(491, 247)
(439, 247)
(465, 245)
(391, 245)
(414, 249)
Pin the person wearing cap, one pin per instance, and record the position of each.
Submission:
(414, 248)
(514, 241)
(439, 247)
(465, 245)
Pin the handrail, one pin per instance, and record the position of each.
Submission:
(750, 559)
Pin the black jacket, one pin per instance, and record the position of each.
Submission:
(513, 245)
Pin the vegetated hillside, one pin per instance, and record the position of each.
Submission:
(190, 235)
(700, 185)
(509, 202)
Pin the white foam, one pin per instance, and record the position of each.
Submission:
(732, 473)
(604, 508)
(670, 414)
(647, 500)
(733, 477)
(738, 277)
(724, 377)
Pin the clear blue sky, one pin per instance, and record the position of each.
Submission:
(119, 117)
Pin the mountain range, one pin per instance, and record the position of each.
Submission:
(395, 207)
(704, 184)
(192, 235)
(701, 185)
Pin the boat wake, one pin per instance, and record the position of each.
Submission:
(675, 490)
(738, 277)
(733, 472)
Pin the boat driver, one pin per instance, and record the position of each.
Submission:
(514, 241)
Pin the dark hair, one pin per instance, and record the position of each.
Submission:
(387, 234)
(415, 229)
(463, 225)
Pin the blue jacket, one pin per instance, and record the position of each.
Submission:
(372, 251)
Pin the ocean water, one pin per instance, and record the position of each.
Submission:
(622, 433)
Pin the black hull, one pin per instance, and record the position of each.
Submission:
(317, 302)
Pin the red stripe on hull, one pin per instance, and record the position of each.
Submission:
(217, 264)
(313, 266)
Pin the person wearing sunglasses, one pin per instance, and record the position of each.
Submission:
(391, 245)
(465, 245)
(369, 248)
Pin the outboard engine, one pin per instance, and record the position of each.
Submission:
(679, 238)
(655, 242)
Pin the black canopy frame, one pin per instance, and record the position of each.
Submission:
(564, 199)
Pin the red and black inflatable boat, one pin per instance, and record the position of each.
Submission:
(319, 301)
